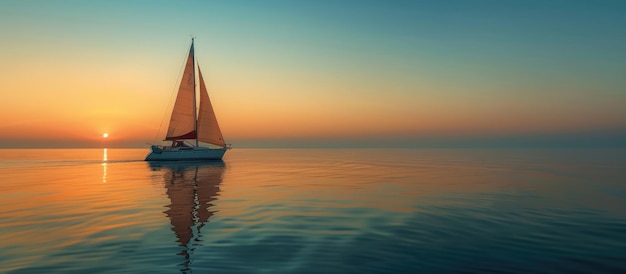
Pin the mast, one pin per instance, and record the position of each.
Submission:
(195, 112)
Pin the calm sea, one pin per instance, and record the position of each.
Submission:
(314, 211)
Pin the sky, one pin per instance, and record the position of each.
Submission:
(317, 73)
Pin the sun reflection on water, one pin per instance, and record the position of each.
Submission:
(104, 166)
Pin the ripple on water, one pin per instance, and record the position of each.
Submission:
(317, 211)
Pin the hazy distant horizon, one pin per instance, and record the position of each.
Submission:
(571, 140)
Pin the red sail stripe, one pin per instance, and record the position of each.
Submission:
(189, 135)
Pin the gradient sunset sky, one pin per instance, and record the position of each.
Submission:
(317, 73)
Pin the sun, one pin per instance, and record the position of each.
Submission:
(105, 135)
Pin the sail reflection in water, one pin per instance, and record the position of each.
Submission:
(191, 188)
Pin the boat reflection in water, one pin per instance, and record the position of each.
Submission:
(191, 187)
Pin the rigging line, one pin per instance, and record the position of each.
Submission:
(175, 91)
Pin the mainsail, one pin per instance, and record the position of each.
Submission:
(183, 120)
(208, 129)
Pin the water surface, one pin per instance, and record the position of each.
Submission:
(314, 211)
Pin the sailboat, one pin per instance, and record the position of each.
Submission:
(188, 126)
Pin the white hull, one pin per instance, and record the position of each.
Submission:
(190, 154)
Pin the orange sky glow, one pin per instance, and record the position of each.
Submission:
(281, 78)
